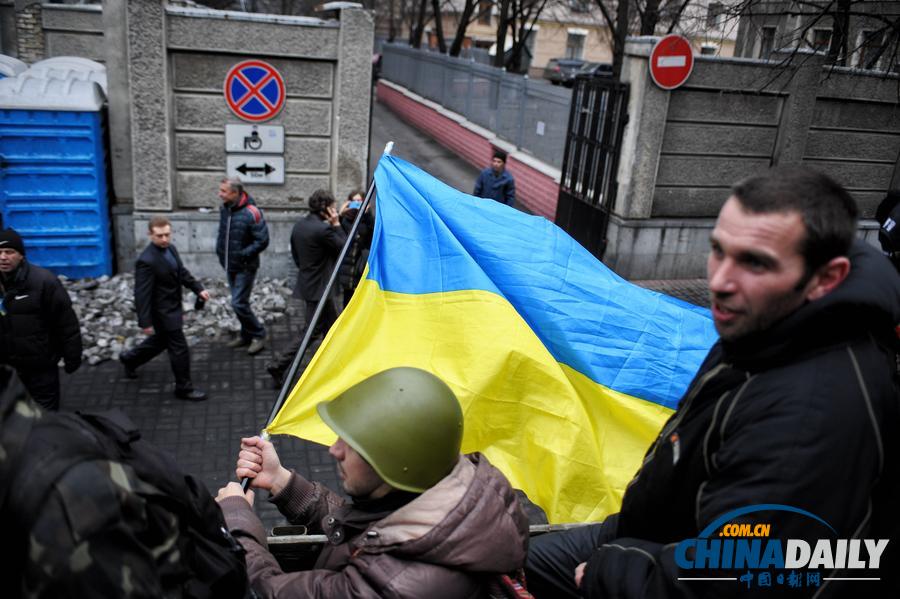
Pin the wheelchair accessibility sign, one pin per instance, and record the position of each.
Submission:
(254, 90)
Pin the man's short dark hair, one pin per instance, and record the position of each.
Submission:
(828, 211)
(320, 200)
(157, 222)
(500, 154)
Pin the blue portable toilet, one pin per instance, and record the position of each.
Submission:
(66, 67)
(53, 181)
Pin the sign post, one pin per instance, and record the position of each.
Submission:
(671, 62)
(255, 92)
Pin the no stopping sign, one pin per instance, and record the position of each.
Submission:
(254, 90)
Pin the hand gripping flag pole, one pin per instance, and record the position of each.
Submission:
(311, 326)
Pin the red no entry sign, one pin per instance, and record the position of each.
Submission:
(671, 61)
(254, 90)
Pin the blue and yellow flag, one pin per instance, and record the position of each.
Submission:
(565, 371)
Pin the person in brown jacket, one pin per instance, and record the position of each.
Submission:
(423, 521)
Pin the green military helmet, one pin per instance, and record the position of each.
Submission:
(405, 422)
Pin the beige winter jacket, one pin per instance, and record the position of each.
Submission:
(445, 543)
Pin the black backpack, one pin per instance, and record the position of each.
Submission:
(171, 514)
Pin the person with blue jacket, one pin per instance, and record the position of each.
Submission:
(495, 183)
(243, 235)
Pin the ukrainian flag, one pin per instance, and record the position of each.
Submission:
(565, 371)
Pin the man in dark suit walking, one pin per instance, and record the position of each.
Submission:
(316, 242)
(158, 278)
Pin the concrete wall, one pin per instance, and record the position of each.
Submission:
(169, 153)
(8, 27)
(854, 135)
(71, 30)
(199, 63)
(31, 30)
(195, 234)
(734, 118)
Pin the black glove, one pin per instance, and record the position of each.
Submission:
(72, 366)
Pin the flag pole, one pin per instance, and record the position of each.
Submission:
(311, 325)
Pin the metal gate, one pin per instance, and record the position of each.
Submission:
(587, 188)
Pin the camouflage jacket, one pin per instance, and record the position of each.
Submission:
(87, 526)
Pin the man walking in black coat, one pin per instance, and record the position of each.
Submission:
(316, 241)
(37, 322)
(158, 278)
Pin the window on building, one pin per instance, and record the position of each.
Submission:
(714, 15)
(484, 11)
(708, 50)
(580, 5)
(869, 46)
(766, 42)
(575, 45)
(821, 39)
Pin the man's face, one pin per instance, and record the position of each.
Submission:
(161, 237)
(358, 477)
(226, 194)
(9, 259)
(497, 165)
(754, 268)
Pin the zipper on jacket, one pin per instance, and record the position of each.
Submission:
(227, 240)
(673, 424)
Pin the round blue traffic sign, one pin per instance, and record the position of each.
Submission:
(254, 90)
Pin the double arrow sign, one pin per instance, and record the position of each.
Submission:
(255, 153)
(265, 169)
(261, 169)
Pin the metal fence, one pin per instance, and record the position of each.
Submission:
(531, 114)
(587, 188)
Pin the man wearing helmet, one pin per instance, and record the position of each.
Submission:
(423, 521)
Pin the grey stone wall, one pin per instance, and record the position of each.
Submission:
(30, 45)
(195, 234)
(8, 27)
(71, 30)
(115, 24)
(167, 73)
(854, 135)
(326, 66)
(31, 30)
(150, 103)
(734, 118)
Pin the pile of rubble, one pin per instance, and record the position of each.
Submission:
(105, 308)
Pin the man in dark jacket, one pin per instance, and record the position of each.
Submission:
(158, 278)
(495, 183)
(792, 422)
(243, 235)
(37, 323)
(423, 521)
(316, 241)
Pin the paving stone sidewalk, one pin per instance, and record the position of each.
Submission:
(204, 436)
